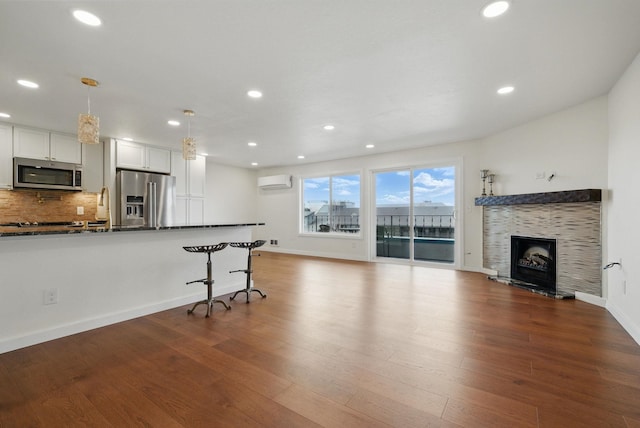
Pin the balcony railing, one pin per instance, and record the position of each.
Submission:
(433, 234)
(425, 226)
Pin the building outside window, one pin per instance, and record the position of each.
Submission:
(331, 204)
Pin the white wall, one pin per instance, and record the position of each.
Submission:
(624, 177)
(230, 195)
(573, 143)
(280, 208)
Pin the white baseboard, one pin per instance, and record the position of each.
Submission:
(273, 249)
(626, 323)
(80, 326)
(590, 298)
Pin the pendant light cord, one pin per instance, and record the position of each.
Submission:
(88, 99)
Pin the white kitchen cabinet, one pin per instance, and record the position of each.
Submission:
(6, 157)
(65, 148)
(189, 211)
(159, 160)
(190, 187)
(142, 157)
(38, 144)
(179, 171)
(196, 211)
(190, 175)
(30, 143)
(196, 175)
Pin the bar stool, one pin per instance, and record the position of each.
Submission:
(250, 246)
(208, 249)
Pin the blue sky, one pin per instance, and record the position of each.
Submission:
(430, 184)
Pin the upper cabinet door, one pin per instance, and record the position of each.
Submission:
(65, 148)
(30, 143)
(36, 144)
(131, 155)
(158, 160)
(139, 156)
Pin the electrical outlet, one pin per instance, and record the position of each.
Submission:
(274, 242)
(80, 210)
(50, 296)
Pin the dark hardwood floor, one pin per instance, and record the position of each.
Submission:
(339, 344)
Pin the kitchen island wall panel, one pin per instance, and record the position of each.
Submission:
(104, 278)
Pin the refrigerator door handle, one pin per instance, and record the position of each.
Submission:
(152, 213)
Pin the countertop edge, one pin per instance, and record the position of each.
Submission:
(82, 231)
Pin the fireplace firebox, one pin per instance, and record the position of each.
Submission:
(533, 262)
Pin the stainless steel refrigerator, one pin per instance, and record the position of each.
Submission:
(145, 199)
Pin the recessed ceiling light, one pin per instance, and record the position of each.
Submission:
(495, 9)
(254, 163)
(252, 144)
(254, 93)
(173, 122)
(328, 127)
(369, 146)
(506, 90)
(5, 115)
(87, 18)
(300, 156)
(28, 84)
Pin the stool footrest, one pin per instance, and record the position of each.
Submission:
(209, 303)
(254, 290)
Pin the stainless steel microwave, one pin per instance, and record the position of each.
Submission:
(42, 174)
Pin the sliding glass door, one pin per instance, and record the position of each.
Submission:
(415, 214)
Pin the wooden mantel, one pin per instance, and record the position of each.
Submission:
(567, 196)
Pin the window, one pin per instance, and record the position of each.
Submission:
(415, 214)
(331, 204)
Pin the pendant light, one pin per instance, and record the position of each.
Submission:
(188, 143)
(88, 124)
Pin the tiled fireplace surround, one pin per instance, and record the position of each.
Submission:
(573, 218)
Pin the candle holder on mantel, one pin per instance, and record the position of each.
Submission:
(492, 179)
(484, 173)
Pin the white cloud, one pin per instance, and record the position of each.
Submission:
(426, 185)
(393, 199)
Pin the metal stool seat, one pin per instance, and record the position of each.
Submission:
(208, 249)
(248, 271)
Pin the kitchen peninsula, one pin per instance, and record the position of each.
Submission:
(101, 276)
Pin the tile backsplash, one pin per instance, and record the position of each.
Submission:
(45, 206)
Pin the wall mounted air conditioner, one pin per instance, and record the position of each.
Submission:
(275, 182)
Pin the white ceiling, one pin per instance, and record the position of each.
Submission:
(395, 73)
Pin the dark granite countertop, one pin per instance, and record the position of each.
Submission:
(68, 230)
